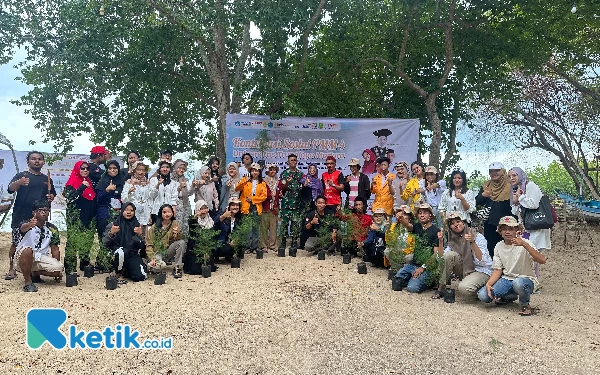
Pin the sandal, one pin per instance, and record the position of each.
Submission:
(526, 311)
(10, 276)
(265, 250)
(30, 288)
(438, 295)
(248, 251)
(121, 282)
(499, 301)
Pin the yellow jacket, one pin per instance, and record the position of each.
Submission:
(167, 240)
(245, 186)
(412, 184)
(383, 197)
(410, 241)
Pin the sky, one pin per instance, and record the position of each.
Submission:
(19, 128)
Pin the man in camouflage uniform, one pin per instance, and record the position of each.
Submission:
(291, 203)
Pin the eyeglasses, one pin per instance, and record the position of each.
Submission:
(84, 168)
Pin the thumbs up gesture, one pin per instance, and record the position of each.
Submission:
(138, 230)
(32, 222)
(111, 187)
(114, 229)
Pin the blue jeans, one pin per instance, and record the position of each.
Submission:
(414, 285)
(508, 290)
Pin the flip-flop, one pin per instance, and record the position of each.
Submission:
(8, 276)
(121, 282)
(527, 311)
(437, 295)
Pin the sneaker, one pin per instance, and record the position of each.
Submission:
(30, 288)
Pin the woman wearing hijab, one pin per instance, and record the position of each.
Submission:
(270, 210)
(369, 164)
(466, 255)
(136, 190)
(124, 237)
(526, 194)
(163, 190)
(184, 210)
(81, 210)
(228, 184)
(205, 189)
(213, 164)
(108, 196)
(494, 194)
(312, 186)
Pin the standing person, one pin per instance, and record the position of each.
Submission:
(184, 210)
(204, 188)
(415, 186)
(81, 210)
(247, 161)
(228, 183)
(163, 190)
(434, 188)
(415, 274)
(108, 196)
(527, 195)
(399, 183)
(165, 155)
(381, 149)
(137, 190)
(333, 184)
(270, 210)
(357, 184)
(291, 204)
(369, 164)
(466, 256)
(98, 157)
(312, 186)
(495, 194)
(37, 252)
(127, 170)
(253, 192)
(168, 231)
(125, 239)
(512, 276)
(214, 163)
(458, 197)
(30, 185)
(382, 187)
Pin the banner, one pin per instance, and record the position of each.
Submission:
(312, 139)
(60, 171)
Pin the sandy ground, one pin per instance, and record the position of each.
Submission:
(304, 316)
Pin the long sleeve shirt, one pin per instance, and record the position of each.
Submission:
(485, 264)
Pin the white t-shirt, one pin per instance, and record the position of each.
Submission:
(514, 261)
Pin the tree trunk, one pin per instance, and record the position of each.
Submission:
(436, 129)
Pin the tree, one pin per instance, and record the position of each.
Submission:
(146, 74)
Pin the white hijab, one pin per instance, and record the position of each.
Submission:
(205, 222)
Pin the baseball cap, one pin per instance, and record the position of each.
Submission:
(496, 165)
(99, 150)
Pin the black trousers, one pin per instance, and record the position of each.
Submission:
(490, 232)
(130, 264)
(374, 255)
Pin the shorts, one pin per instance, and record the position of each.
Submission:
(46, 263)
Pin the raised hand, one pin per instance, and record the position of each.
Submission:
(138, 230)
(160, 181)
(23, 181)
(458, 195)
(469, 236)
(315, 220)
(85, 183)
(132, 189)
(33, 222)
(487, 191)
(440, 234)
(50, 197)
(518, 241)
(111, 187)
(114, 229)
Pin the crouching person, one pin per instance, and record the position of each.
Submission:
(37, 253)
(123, 237)
(466, 256)
(513, 276)
(313, 221)
(227, 223)
(166, 234)
(375, 243)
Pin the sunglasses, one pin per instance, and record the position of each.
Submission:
(84, 168)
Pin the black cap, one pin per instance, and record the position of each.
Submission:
(382, 133)
(167, 151)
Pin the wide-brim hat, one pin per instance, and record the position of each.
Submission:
(255, 166)
(424, 206)
(456, 215)
(354, 161)
(404, 208)
(379, 211)
(271, 165)
(508, 221)
(431, 169)
(234, 200)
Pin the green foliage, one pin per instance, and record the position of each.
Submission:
(396, 243)
(158, 242)
(241, 233)
(324, 231)
(80, 240)
(205, 242)
(553, 177)
(475, 181)
(424, 254)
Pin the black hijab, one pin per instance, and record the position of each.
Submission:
(166, 178)
(106, 179)
(125, 236)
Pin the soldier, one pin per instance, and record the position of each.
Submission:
(291, 203)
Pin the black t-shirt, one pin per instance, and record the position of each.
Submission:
(37, 189)
(328, 216)
(429, 233)
(95, 173)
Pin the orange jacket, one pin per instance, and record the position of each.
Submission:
(245, 186)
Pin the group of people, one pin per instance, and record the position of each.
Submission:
(144, 218)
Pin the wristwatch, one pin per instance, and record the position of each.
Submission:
(424, 267)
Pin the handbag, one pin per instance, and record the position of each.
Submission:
(540, 218)
(483, 213)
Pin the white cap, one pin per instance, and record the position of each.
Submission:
(496, 165)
